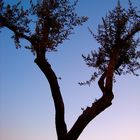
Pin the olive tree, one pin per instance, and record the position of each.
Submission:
(118, 54)
(47, 23)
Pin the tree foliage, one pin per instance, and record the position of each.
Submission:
(45, 24)
(117, 33)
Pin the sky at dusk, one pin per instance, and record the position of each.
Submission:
(26, 105)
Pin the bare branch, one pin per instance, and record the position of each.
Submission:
(88, 115)
(101, 83)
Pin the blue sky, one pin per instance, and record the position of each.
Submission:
(26, 106)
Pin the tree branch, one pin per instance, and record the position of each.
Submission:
(14, 28)
(111, 68)
(132, 32)
(101, 83)
(89, 114)
(100, 105)
(56, 94)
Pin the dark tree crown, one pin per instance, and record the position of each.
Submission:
(118, 32)
(45, 24)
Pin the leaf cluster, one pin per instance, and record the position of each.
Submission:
(15, 18)
(119, 31)
(55, 21)
(46, 23)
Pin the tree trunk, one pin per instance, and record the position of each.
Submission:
(88, 114)
(56, 94)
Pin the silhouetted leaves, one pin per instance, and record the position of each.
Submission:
(45, 24)
(118, 30)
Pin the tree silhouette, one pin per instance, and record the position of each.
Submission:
(48, 23)
(119, 52)
(119, 42)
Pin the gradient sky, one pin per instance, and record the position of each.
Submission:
(26, 106)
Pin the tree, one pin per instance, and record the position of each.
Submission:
(54, 21)
(119, 42)
(119, 54)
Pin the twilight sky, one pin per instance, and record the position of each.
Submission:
(26, 106)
